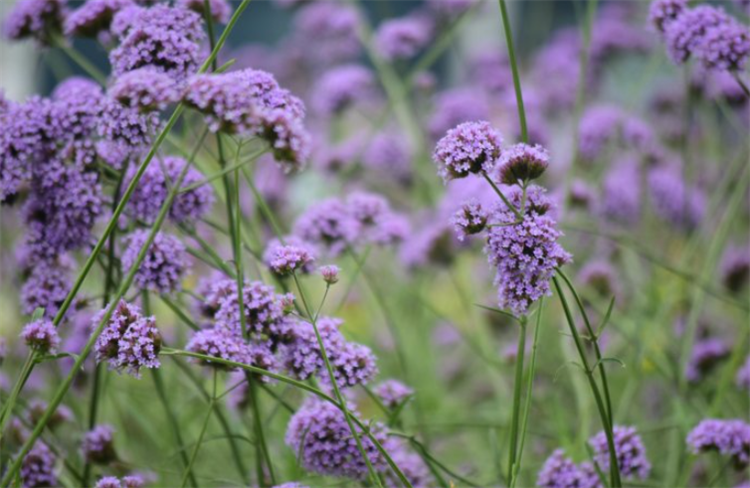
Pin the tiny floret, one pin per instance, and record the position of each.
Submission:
(129, 340)
(522, 163)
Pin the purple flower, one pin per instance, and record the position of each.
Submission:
(289, 140)
(621, 192)
(378, 224)
(663, 12)
(706, 354)
(341, 87)
(98, 445)
(149, 196)
(491, 69)
(164, 264)
(469, 220)
(162, 37)
(631, 453)
(725, 46)
(403, 38)
(285, 259)
(685, 34)
(471, 147)
(218, 343)
(330, 273)
(145, 89)
(598, 126)
(221, 10)
(330, 32)
(411, 465)
(320, 434)
(393, 393)
(127, 126)
(729, 437)
(454, 107)
(38, 467)
(46, 287)
(40, 19)
(37, 408)
(743, 375)
(673, 200)
(328, 224)
(108, 482)
(601, 277)
(522, 163)
(389, 155)
(129, 340)
(265, 314)
(735, 267)
(581, 194)
(94, 17)
(525, 254)
(561, 472)
(41, 336)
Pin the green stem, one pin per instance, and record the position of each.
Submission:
(517, 387)
(606, 422)
(514, 69)
(502, 196)
(339, 397)
(527, 403)
(259, 434)
(197, 446)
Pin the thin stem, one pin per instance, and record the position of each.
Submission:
(606, 422)
(529, 389)
(505, 200)
(339, 397)
(517, 387)
(742, 84)
(514, 69)
(259, 434)
(197, 447)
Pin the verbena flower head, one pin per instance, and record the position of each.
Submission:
(469, 220)
(221, 10)
(522, 163)
(621, 192)
(285, 259)
(127, 126)
(289, 140)
(41, 336)
(342, 87)
(145, 89)
(454, 107)
(98, 445)
(37, 409)
(108, 482)
(403, 38)
(153, 188)
(662, 12)
(41, 20)
(525, 254)
(330, 273)
(161, 37)
(221, 344)
(411, 465)
(389, 155)
(164, 264)
(735, 267)
(743, 375)
(393, 393)
(725, 46)
(264, 309)
(598, 126)
(471, 147)
(601, 277)
(94, 17)
(673, 200)
(129, 340)
(132, 481)
(46, 287)
(330, 30)
(730, 438)
(631, 453)
(320, 434)
(706, 355)
(378, 224)
(38, 467)
(685, 34)
(559, 471)
(328, 224)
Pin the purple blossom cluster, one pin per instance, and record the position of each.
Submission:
(621, 192)
(470, 219)
(38, 467)
(129, 340)
(336, 225)
(291, 257)
(164, 264)
(145, 89)
(94, 17)
(561, 472)
(46, 286)
(673, 200)
(525, 254)
(41, 20)
(706, 354)
(330, 30)
(343, 87)
(404, 37)
(631, 453)
(132, 481)
(471, 147)
(41, 336)
(731, 438)
(160, 37)
(191, 204)
(393, 393)
(735, 267)
(98, 445)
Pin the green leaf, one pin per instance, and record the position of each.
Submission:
(561, 368)
(38, 314)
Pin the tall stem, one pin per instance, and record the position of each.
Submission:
(339, 397)
(198, 443)
(517, 387)
(514, 69)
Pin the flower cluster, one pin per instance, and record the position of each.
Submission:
(129, 340)
(673, 200)
(285, 259)
(471, 147)
(730, 438)
(145, 89)
(38, 467)
(525, 253)
(98, 445)
(41, 336)
(706, 354)
(164, 264)
(132, 481)
(403, 38)
(631, 453)
(41, 20)
(93, 17)
(343, 87)
(393, 393)
(561, 472)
